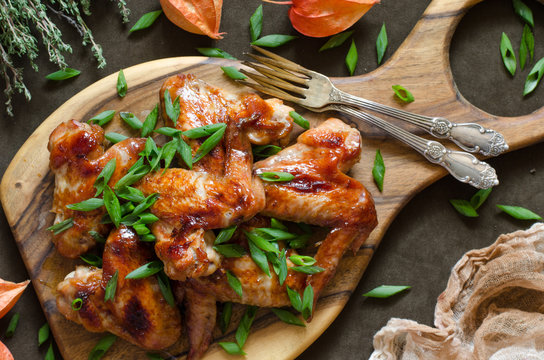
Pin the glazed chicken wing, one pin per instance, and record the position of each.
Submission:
(138, 313)
(77, 158)
(321, 193)
(220, 190)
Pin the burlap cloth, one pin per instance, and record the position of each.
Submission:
(492, 308)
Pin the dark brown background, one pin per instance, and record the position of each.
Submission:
(428, 236)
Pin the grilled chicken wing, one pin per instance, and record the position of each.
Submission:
(77, 158)
(220, 190)
(138, 313)
(321, 193)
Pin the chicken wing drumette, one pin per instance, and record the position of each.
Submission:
(138, 312)
(77, 158)
(220, 190)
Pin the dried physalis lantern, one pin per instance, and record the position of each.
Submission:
(320, 18)
(195, 16)
(9, 294)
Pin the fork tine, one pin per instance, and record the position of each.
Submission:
(270, 91)
(267, 61)
(273, 81)
(278, 58)
(275, 72)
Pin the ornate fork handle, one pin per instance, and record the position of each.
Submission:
(470, 137)
(463, 166)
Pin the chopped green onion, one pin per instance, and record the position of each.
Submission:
(385, 291)
(295, 299)
(92, 259)
(508, 55)
(87, 205)
(97, 237)
(77, 304)
(102, 347)
(61, 226)
(403, 93)
(307, 302)
(146, 20)
(299, 120)
(336, 40)
(279, 263)
(256, 23)
(233, 73)
(534, 77)
(153, 356)
(122, 86)
(378, 171)
(215, 52)
(226, 314)
(288, 317)
(172, 108)
(50, 354)
(63, 74)
(299, 242)
(185, 152)
(114, 137)
(464, 207)
(479, 198)
(166, 289)
(352, 57)
(276, 234)
(261, 242)
(112, 205)
(276, 224)
(529, 39)
(202, 131)
(273, 40)
(141, 229)
(234, 283)
(231, 348)
(302, 260)
(147, 218)
(168, 131)
(150, 121)
(230, 250)
(104, 177)
(264, 151)
(131, 194)
(103, 118)
(259, 258)
(43, 334)
(133, 175)
(168, 152)
(381, 43)
(111, 287)
(148, 238)
(146, 270)
(209, 144)
(310, 270)
(131, 120)
(225, 234)
(519, 212)
(276, 176)
(147, 203)
(524, 12)
(12, 325)
(245, 324)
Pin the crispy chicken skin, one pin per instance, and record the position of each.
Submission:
(321, 193)
(138, 313)
(220, 190)
(77, 158)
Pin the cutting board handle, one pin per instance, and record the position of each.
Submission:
(422, 65)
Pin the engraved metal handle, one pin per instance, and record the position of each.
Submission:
(470, 137)
(463, 166)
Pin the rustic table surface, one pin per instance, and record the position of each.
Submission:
(428, 236)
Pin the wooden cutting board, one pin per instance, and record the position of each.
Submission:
(421, 64)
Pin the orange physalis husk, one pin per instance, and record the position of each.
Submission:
(5, 354)
(9, 294)
(320, 18)
(196, 16)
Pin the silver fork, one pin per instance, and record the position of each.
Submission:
(461, 165)
(316, 90)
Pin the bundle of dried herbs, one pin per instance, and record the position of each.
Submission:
(23, 21)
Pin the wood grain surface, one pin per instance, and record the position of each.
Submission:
(421, 64)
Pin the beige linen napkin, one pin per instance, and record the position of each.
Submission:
(492, 308)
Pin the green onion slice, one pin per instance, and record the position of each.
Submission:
(61, 226)
(519, 212)
(288, 317)
(378, 171)
(146, 20)
(146, 270)
(92, 259)
(256, 23)
(102, 347)
(122, 86)
(234, 283)
(336, 40)
(276, 176)
(103, 118)
(77, 304)
(385, 291)
(352, 57)
(111, 287)
(381, 43)
(43, 334)
(299, 120)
